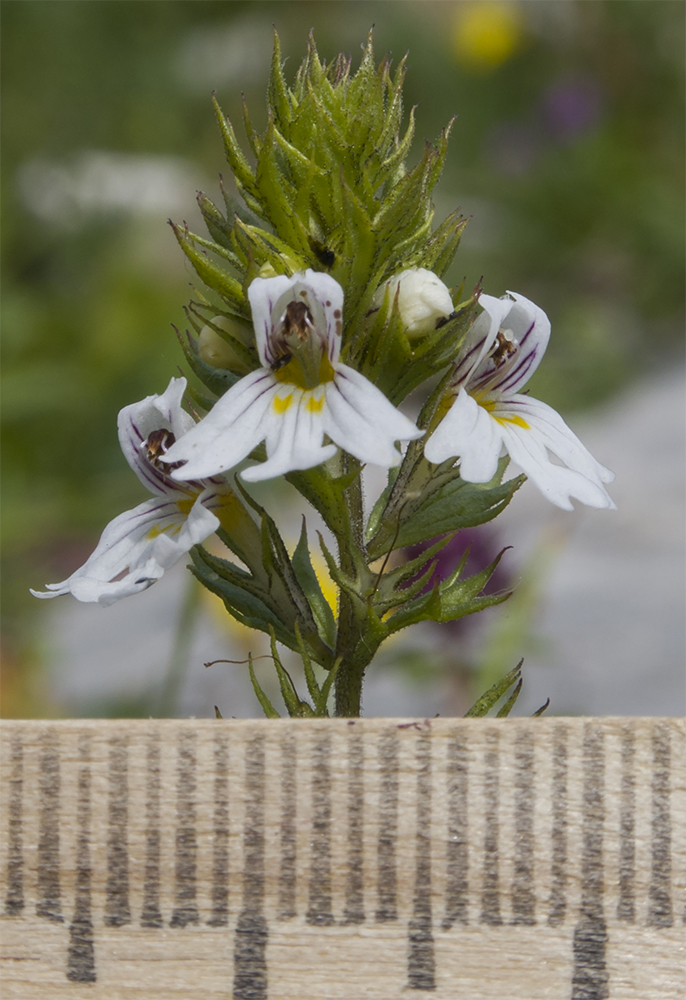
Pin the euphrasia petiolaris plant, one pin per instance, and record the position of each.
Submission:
(327, 309)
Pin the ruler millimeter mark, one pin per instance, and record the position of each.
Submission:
(264, 860)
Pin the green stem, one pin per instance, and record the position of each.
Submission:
(348, 686)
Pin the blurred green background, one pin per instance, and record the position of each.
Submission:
(568, 150)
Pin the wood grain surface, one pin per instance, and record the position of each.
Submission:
(311, 859)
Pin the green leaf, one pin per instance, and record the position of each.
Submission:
(307, 578)
(288, 692)
(503, 712)
(264, 701)
(486, 702)
(320, 704)
(457, 504)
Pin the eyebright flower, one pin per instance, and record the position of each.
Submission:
(301, 393)
(137, 546)
(423, 300)
(501, 352)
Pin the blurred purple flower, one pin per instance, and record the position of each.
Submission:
(572, 106)
(484, 544)
(513, 147)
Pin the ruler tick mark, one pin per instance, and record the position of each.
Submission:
(490, 895)
(660, 905)
(558, 868)
(626, 907)
(117, 909)
(48, 904)
(250, 940)
(185, 912)
(354, 885)
(81, 953)
(421, 963)
(523, 895)
(14, 899)
(319, 909)
(590, 975)
(457, 861)
(220, 846)
(386, 880)
(287, 873)
(151, 915)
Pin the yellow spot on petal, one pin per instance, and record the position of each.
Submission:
(186, 505)
(511, 418)
(518, 421)
(314, 405)
(154, 532)
(282, 405)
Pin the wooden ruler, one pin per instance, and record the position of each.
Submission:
(312, 859)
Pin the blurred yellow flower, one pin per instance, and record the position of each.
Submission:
(486, 33)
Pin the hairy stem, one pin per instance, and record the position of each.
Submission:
(349, 643)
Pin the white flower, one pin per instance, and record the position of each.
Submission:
(423, 300)
(301, 393)
(501, 352)
(137, 546)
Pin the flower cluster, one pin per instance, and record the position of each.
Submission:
(302, 394)
(331, 311)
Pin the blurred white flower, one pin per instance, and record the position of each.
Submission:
(301, 393)
(500, 353)
(139, 545)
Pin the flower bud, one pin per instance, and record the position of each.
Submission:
(423, 300)
(217, 352)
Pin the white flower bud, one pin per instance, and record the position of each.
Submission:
(214, 350)
(423, 299)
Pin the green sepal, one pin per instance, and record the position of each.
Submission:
(307, 578)
(486, 702)
(266, 248)
(218, 227)
(234, 154)
(214, 276)
(278, 95)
